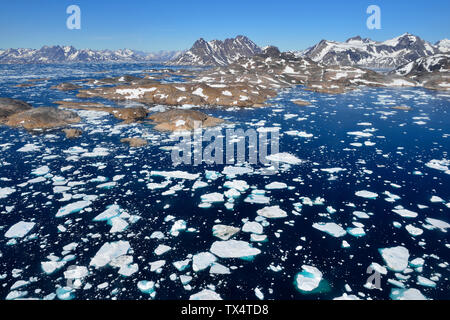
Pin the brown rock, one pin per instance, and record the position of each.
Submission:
(174, 94)
(66, 87)
(183, 120)
(302, 103)
(9, 107)
(404, 108)
(128, 115)
(135, 142)
(73, 133)
(42, 118)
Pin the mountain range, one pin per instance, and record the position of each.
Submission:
(69, 54)
(356, 51)
(372, 54)
(217, 52)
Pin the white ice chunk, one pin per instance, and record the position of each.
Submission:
(308, 279)
(233, 249)
(396, 258)
(20, 229)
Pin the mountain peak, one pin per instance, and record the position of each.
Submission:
(218, 52)
(368, 53)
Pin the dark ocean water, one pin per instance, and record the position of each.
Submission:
(394, 160)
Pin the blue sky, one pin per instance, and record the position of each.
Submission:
(172, 25)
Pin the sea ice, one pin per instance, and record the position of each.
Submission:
(414, 231)
(272, 212)
(212, 197)
(202, 261)
(405, 213)
(396, 258)
(331, 228)
(285, 158)
(276, 186)
(438, 223)
(41, 171)
(233, 249)
(308, 279)
(175, 175)
(224, 232)
(5, 192)
(108, 252)
(20, 229)
(253, 227)
(147, 287)
(73, 208)
(238, 185)
(407, 294)
(366, 194)
(161, 249)
(205, 294)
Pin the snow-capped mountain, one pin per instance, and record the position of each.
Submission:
(435, 63)
(217, 52)
(443, 45)
(69, 54)
(431, 72)
(372, 54)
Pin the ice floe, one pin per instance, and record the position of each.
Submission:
(273, 212)
(233, 249)
(330, 228)
(308, 279)
(20, 229)
(396, 258)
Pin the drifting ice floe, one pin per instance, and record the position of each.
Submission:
(366, 194)
(331, 228)
(202, 261)
(238, 185)
(5, 192)
(407, 294)
(284, 158)
(205, 294)
(276, 186)
(438, 224)
(73, 208)
(272, 212)
(175, 175)
(396, 258)
(233, 249)
(20, 229)
(161, 249)
(147, 287)
(405, 213)
(224, 232)
(108, 252)
(252, 227)
(257, 196)
(212, 197)
(217, 268)
(309, 279)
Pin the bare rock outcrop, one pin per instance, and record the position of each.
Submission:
(135, 142)
(66, 87)
(183, 120)
(42, 118)
(128, 115)
(9, 107)
(73, 133)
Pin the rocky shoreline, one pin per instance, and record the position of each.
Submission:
(247, 82)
